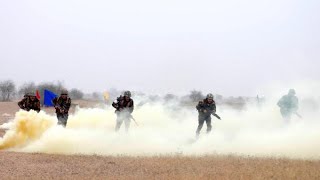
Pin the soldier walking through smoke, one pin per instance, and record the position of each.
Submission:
(62, 105)
(206, 108)
(30, 102)
(289, 105)
(124, 107)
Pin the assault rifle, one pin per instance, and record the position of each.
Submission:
(216, 115)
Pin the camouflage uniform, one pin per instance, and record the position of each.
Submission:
(124, 108)
(62, 109)
(27, 104)
(289, 105)
(205, 110)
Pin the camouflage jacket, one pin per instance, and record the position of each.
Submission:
(122, 105)
(27, 104)
(206, 109)
(289, 103)
(62, 105)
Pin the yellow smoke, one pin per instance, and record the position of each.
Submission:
(106, 96)
(26, 126)
(166, 129)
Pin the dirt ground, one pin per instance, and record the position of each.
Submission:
(15, 165)
(43, 166)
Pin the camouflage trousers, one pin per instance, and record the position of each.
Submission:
(201, 122)
(123, 119)
(62, 119)
(286, 115)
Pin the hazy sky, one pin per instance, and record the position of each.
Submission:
(228, 47)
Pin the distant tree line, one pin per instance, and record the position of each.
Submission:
(8, 90)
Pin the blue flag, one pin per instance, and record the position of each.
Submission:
(48, 97)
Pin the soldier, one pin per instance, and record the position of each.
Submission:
(62, 105)
(124, 107)
(289, 105)
(29, 102)
(205, 108)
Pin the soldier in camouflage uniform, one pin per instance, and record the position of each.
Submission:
(22, 103)
(30, 102)
(62, 105)
(289, 105)
(124, 107)
(205, 108)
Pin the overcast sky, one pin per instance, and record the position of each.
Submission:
(229, 47)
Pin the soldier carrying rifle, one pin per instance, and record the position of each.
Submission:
(124, 107)
(62, 105)
(289, 105)
(206, 108)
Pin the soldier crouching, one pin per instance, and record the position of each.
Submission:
(30, 102)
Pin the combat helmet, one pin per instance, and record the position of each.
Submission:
(127, 93)
(31, 93)
(210, 96)
(64, 92)
(292, 92)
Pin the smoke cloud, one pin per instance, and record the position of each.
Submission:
(169, 129)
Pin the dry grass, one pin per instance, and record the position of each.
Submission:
(42, 166)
